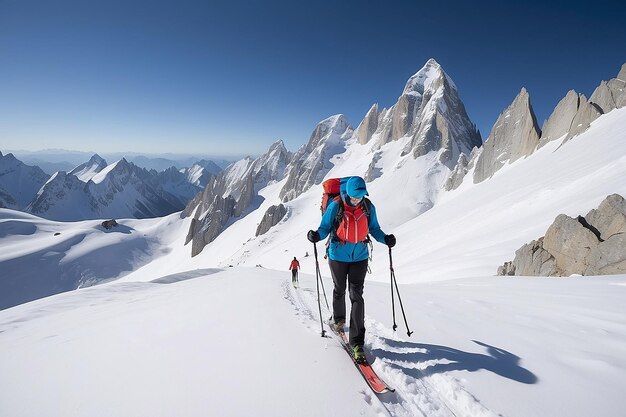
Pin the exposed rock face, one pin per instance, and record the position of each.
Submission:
(430, 113)
(619, 84)
(271, 218)
(456, 176)
(570, 243)
(607, 96)
(560, 121)
(209, 221)
(590, 245)
(611, 94)
(246, 196)
(532, 257)
(368, 125)
(514, 136)
(463, 166)
(231, 194)
(311, 163)
(587, 113)
(609, 218)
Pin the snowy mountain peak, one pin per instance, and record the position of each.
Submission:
(279, 144)
(9, 157)
(96, 159)
(431, 114)
(63, 196)
(86, 171)
(338, 123)
(120, 167)
(429, 77)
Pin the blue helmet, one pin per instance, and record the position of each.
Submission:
(355, 187)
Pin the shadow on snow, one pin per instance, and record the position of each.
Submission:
(447, 359)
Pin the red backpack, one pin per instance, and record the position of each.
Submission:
(351, 224)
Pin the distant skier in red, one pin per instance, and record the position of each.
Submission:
(295, 265)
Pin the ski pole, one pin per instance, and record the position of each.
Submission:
(393, 307)
(318, 279)
(395, 282)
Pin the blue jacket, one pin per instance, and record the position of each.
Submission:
(346, 251)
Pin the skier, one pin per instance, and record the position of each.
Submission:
(295, 265)
(348, 255)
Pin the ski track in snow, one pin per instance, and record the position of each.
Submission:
(437, 395)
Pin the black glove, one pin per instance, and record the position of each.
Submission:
(313, 236)
(390, 240)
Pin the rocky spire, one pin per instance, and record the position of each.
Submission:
(560, 121)
(611, 94)
(514, 135)
(368, 125)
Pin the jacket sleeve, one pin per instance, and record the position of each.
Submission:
(327, 219)
(374, 227)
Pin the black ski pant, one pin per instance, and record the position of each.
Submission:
(354, 274)
(294, 275)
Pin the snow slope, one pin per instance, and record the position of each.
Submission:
(243, 342)
(42, 257)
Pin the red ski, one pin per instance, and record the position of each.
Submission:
(376, 384)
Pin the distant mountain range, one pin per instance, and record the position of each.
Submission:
(95, 189)
(53, 160)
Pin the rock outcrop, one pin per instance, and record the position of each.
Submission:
(590, 245)
(514, 136)
(271, 218)
(109, 224)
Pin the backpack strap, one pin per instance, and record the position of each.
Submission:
(338, 217)
(366, 205)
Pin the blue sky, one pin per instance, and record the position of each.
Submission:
(232, 77)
